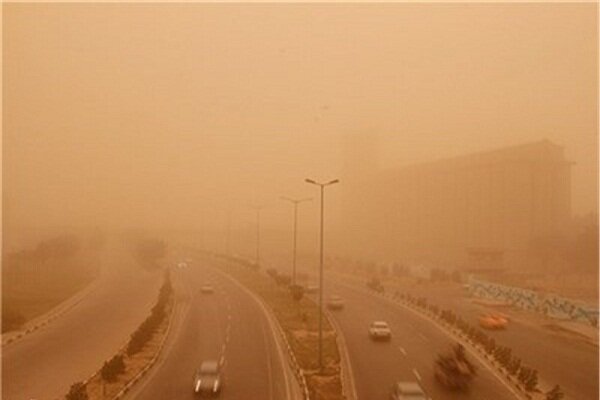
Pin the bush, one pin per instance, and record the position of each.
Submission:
(111, 369)
(77, 392)
(514, 365)
(532, 380)
(297, 292)
(555, 394)
(145, 331)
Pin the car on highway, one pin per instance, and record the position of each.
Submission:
(312, 289)
(207, 289)
(375, 285)
(407, 391)
(207, 380)
(380, 330)
(493, 321)
(335, 302)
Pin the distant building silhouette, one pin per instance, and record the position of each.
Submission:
(482, 210)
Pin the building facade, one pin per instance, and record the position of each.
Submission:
(483, 210)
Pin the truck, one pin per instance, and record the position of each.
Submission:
(454, 370)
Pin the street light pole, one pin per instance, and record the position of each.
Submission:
(257, 208)
(295, 202)
(322, 186)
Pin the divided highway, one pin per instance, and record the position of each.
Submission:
(44, 364)
(409, 356)
(225, 325)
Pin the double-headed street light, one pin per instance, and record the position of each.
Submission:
(295, 202)
(322, 186)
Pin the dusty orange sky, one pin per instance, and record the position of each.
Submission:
(156, 113)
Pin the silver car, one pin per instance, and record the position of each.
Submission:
(380, 330)
(407, 391)
(207, 381)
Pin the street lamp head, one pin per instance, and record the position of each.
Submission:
(332, 182)
(311, 181)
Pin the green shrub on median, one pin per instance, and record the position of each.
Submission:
(145, 331)
(77, 392)
(113, 368)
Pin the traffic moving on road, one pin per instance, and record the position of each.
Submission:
(305, 200)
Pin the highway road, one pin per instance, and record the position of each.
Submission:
(44, 364)
(409, 356)
(226, 324)
(559, 358)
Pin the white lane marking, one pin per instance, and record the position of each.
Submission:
(416, 374)
(422, 336)
(402, 350)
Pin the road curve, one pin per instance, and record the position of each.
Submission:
(408, 357)
(227, 323)
(44, 364)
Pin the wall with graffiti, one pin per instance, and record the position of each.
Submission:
(547, 304)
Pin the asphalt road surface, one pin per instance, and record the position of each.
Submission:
(409, 356)
(44, 364)
(227, 324)
(560, 359)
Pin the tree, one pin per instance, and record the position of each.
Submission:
(555, 393)
(111, 369)
(514, 365)
(524, 374)
(532, 380)
(77, 392)
(297, 292)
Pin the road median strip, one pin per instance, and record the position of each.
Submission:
(119, 374)
(297, 320)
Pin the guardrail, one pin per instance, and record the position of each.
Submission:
(477, 350)
(295, 367)
(46, 318)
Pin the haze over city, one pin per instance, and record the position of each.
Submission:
(139, 140)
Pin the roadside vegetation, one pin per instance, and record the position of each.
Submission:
(501, 357)
(134, 358)
(36, 280)
(299, 318)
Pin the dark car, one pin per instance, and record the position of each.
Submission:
(207, 381)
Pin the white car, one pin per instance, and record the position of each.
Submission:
(407, 391)
(207, 289)
(380, 330)
(335, 302)
(312, 289)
